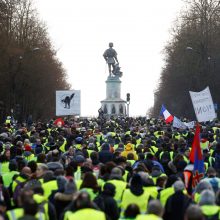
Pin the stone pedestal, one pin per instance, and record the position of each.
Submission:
(113, 104)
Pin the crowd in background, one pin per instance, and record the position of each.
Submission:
(118, 168)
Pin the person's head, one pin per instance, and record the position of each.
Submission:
(207, 197)
(26, 171)
(130, 156)
(41, 158)
(71, 151)
(48, 176)
(116, 173)
(89, 181)
(147, 181)
(161, 181)
(203, 185)
(24, 195)
(211, 172)
(136, 185)
(109, 189)
(194, 212)
(33, 166)
(30, 207)
(13, 166)
(178, 186)
(131, 211)
(110, 44)
(69, 171)
(155, 207)
(41, 169)
(83, 201)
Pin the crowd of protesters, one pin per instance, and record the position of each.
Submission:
(96, 168)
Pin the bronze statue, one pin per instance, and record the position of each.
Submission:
(110, 56)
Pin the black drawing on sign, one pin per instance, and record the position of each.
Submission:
(67, 100)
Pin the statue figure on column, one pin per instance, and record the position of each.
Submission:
(110, 55)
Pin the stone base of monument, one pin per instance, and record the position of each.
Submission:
(113, 105)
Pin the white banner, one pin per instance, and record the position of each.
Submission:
(178, 124)
(190, 125)
(68, 102)
(203, 105)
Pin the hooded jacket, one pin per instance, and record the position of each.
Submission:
(129, 149)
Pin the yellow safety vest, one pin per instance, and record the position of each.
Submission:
(8, 178)
(152, 190)
(41, 200)
(210, 210)
(171, 155)
(4, 167)
(17, 213)
(19, 179)
(165, 194)
(49, 187)
(129, 198)
(204, 145)
(85, 214)
(31, 157)
(120, 186)
(131, 161)
(77, 174)
(62, 147)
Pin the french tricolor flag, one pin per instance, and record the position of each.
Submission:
(167, 116)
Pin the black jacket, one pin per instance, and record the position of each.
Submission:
(108, 205)
(176, 206)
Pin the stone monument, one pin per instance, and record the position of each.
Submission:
(113, 105)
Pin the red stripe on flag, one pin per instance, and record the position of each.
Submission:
(169, 119)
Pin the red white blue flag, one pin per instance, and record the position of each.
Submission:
(196, 158)
(167, 116)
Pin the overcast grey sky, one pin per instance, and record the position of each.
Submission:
(81, 30)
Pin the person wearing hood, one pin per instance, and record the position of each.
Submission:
(135, 194)
(129, 148)
(105, 155)
(105, 201)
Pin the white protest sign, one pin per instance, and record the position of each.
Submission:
(190, 124)
(178, 124)
(203, 105)
(68, 102)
